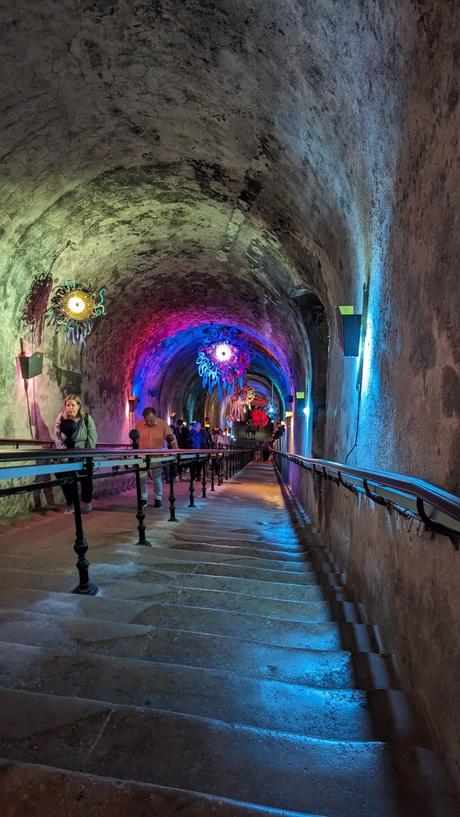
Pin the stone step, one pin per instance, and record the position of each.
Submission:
(337, 779)
(274, 533)
(314, 668)
(157, 554)
(278, 610)
(241, 520)
(264, 547)
(197, 555)
(309, 575)
(243, 548)
(137, 587)
(306, 610)
(350, 715)
(318, 635)
(130, 561)
(41, 791)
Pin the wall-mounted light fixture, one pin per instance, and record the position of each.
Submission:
(31, 365)
(131, 403)
(349, 329)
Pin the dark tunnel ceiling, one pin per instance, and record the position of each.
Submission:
(206, 159)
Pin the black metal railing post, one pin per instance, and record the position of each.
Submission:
(220, 473)
(172, 498)
(212, 463)
(191, 504)
(84, 587)
(226, 465)
(204, 465)
(140, 516)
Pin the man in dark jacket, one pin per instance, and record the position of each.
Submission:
(182, 435)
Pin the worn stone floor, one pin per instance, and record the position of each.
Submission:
(224, 670)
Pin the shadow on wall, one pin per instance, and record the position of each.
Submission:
(42, 432)
(316, 324)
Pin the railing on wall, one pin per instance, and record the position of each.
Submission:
(437, 509)
(72, 466)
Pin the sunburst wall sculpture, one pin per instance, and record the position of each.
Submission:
(73, 308)
(223, 360)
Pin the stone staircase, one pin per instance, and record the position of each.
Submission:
(225, 671)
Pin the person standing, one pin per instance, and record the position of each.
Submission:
(183, 441)
(153, 432)
(75, 428)
(197, 441)
(182, 434)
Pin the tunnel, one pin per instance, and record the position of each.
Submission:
(282, 176)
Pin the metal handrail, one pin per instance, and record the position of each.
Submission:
(402, 485)
(70, 466)
(15, 442)
(72, 453)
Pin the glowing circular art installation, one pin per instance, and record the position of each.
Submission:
(74, 308)
(223, 359)
(223, 351)
(77, 305)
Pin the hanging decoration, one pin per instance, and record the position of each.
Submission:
(271, 409)
(223, 360)
(259, 418)
(74, 308)
(35, 306)
(241, 400)
(229, 422)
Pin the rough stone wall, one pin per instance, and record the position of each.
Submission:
(408, 580)
(410, 404)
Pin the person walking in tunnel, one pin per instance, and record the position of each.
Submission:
(182, 434)
(198, 440)
(266, 451)
(153, 433)
(75, 428)
(183, 441)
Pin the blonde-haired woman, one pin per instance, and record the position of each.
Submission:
(84, 436)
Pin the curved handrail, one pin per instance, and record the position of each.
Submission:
(16, 442)
(77, 453)
(437, 497)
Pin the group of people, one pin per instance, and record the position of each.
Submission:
(153, 432)
(75, 428)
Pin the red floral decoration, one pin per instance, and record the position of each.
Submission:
(259, 418)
